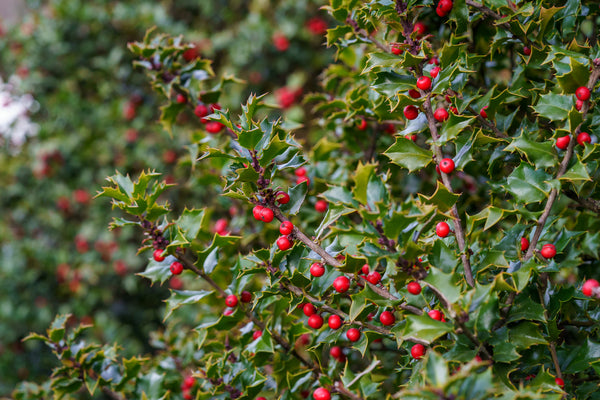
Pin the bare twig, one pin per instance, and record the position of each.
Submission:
(339, 387)
(493, 15)
(306, 240)
(488, 124)
(458, 229)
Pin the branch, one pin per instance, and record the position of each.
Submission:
(306, 240)
(366, 35)
(562, 169)
(591, 204)
(551, 345)
(458, 229)
(487, 123)
(339, 387)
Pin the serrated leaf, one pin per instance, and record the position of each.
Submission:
(297, 196)
(181, 297)
(361, 179)
(529, 185)
(554, 107)
(408, 155)
(425, 328)
(541, 154)
(442, 198)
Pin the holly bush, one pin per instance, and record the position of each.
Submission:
(423, 227)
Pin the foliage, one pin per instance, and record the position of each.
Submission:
(512, 323)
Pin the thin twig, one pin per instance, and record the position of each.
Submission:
(458, 229)
(306, 240)
(488, 124)
(339, 387)
(588, 203)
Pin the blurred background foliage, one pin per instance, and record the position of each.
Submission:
(95, 115)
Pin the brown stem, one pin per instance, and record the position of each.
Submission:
(590, 204)
(488, 124)
(552, 346)
(458, 229)
(366, 35)
(407, 27)
(339, 387)
(306, 240)
(111, 394)
(188, 264)
(561, 169)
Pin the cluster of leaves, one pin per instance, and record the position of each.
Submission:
(515, 323)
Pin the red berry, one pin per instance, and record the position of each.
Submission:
(548, 250)
(221, 226)
(483, 113)
(419, 29)
(300, 171)
(334, 321)
(446, 165)
(353, 334)
(284, 243)
(439, 12)
(442, 229)
(315, 321)
(201, 111)
(341, 284)
(261, 398)
(317, 269)
(563, 142)
(589, 286)
(257, 211)
(387, 318)
(286, 228)
(189, 381)
(228, 311)
(362, 124)
(301, 179)
(187, 395)
(308, 309)
(578, 105)
(336, 352)
(374, 277)
(524, 244)
(213, 127)
(560, 382)
(158, 255)
(176, 268)
(436, 314)
(424, 83)
(526, 51)
(413, 288)
(434, 72)
(583, 93)
(411, 112)
(417, 351)
(321, 394)
(396, 49)
(321, 206)
(231, 300)
(266, 215)
(584, 138)
(445, 6)
(414, 94)
(280, 42)
(282, 198)
(441, 114)
(365, 269)
(181, 98)
(246, 296)
(454, 110)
